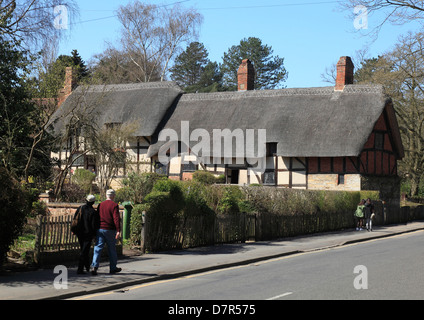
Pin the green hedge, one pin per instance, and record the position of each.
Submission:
(184, 214)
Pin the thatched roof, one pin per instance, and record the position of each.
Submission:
(306, 122)
(311, 122)
(145, 103)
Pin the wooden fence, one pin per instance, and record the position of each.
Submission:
(241, 227)
(198, 231)
(55, 242)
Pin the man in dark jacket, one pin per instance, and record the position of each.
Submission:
(90, 223)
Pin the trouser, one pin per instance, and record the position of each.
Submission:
(105, 237)
(369, 223)
(84, 260)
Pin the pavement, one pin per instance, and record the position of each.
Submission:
(39, 284)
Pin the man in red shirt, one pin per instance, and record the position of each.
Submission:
(109, 232)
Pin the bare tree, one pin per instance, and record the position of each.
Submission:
(394, 11)
(330, 73)
(401, 72)
(152, 35)
(77, 130)
(109, 148)
(35, 21)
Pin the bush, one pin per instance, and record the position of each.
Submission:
(72, 193)
(208, 178)
(204, 177)
(14, 208)
(138, 186)
(137, 222)
(124, 194)
(84, 179)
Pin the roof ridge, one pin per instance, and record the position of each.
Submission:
(129, 86)
(231, 95)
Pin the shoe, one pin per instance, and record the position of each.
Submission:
(115, 271)
(94, 272)
(357, 229)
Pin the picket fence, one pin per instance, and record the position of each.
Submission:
(55, 243)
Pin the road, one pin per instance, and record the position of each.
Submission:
(389, 268)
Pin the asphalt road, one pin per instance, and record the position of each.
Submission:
(389, 268)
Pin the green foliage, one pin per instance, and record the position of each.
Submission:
(184, 213)
(20, 117)
(190, 64)
(137, 222)
(195, 203)
(49, 83)
(207, 177)
(270, 71)
(137, 186)
(229, 202)
(124, 194)
(84, 179)
(14, 208)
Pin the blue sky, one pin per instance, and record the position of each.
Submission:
(309, 34)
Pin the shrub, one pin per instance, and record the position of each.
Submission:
(14, 208)
(137, 222)
(124, 194)
(229, 202)
(84, 179)
(72, 193)
(204, 177)
(138, 186)
(195, 203)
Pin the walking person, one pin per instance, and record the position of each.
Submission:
(359, 215)
(109, 232)
(369, 214)
(86, 232)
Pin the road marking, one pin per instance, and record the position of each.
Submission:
(280, 296)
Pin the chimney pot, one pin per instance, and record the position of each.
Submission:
(246, 76)
(344, 73)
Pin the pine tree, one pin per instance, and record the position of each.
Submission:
(270, 71)
(189, 65)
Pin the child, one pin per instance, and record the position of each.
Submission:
(359, 215)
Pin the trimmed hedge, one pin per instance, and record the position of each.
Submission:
(185, 214)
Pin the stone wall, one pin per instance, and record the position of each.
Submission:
(322, 181)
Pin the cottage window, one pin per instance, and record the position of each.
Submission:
(379, 141)
(189, 167)
(341, 179)
(269, 178)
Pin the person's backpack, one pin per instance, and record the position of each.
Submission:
(359, 212)
(76, 224)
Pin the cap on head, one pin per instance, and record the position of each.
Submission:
(91, 198)
(110, 192)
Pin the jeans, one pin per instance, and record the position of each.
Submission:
(369, 224)
(105, 237)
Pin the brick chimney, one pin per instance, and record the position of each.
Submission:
(70, 84)
(344, 73)
(246, 76)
